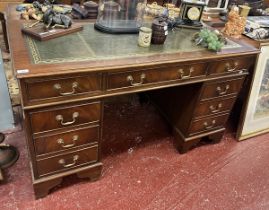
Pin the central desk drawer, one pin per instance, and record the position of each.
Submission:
(223, 88)
(70, 160)
(62, 117)
(38, 89)
(143, 77)
(66, 140)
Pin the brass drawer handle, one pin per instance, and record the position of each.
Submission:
(131, 80)
(231, 69)
(60, 118)
(62, 162)
(207, 127)
(181, 72)
(62, 143)
(58, 87)
(223, 92)
(214, 109)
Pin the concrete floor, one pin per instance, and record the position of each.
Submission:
(143, 170)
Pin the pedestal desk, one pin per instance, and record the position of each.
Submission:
(64, 82)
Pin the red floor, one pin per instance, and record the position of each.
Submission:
(148, 173)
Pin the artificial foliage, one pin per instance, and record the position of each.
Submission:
(212, 40)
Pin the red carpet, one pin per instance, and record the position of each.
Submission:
(146, 172)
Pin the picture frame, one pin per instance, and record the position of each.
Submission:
(256, 118)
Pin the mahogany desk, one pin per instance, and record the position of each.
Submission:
(64, 82)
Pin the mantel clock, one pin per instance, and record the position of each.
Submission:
(191, 13)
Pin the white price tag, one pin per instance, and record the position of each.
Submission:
(165, 28)
(23, 71)
(166, 33)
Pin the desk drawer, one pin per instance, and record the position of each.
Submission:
(208, 124)
(68, 161)
(62, 117)
(66, 140)
(223, 88)
(214, 107)
(230, 66)
(140, 78)
(38, 89)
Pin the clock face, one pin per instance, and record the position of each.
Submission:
(193, 13)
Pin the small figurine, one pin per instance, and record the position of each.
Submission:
(31, 12)
(52, 19)
(236, 24)
(45, 13)
(49, 16)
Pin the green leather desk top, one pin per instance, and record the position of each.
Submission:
(90, 44)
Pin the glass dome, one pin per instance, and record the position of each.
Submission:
(120, 16)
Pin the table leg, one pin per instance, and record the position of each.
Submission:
(42, 188)
(216, 138)
(183, 145)
(93, 173)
